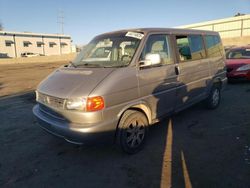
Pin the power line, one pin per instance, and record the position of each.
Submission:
(60, 20)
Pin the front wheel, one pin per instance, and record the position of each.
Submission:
(132, 131)
(214, 98)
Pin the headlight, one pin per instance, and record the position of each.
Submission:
(89, 104)
(76, 104)
(244, 68)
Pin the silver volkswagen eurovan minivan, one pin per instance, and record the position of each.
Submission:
(124, 81)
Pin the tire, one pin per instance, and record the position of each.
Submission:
(132, 131)
(214, 98)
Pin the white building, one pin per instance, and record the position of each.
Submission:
(12, 44)
(233, 30)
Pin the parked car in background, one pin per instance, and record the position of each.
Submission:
(238, 63)
(4, 55)
(227, 48)
(29, 54)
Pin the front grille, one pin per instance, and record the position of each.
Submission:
(50, 112)
(50, 100)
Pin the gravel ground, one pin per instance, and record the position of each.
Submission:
(23, 77)
(197, 147)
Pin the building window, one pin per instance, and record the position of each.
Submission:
(26, 43)
(39, 44)
(8, 43)
(52, 44)
(63, 44)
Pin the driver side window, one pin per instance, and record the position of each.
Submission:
(158, 44)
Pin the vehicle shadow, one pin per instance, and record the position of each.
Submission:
(28, 96)
(175, 171)
(196, 151)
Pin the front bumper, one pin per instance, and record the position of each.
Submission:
(103, 132)
(241, 75)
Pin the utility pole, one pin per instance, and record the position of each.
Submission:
(60, 20)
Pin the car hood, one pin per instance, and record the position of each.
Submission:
(73, 82)
(234, 63)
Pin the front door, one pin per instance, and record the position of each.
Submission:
(157, 83)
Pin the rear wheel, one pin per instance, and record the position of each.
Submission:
(132, 131)
(214, 98)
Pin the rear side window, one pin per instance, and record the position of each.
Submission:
(214, 46)
(190, 47)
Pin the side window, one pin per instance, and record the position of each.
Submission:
(158, 44)
(183, 48)
(197, 47)
(190, 47)
(214, 46)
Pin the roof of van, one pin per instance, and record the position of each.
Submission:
(168, 30)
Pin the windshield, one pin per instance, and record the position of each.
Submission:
(115, 50)
(243, 53)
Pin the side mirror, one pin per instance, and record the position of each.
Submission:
(151, 59)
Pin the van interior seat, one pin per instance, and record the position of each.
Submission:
(158, 48)
(129, 51)
(185, 52)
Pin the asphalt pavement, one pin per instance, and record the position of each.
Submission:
(197, 147)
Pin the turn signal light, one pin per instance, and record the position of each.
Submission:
(95, 104)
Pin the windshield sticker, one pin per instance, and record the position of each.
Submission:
(134, 35)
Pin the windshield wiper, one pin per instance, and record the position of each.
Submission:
(115, 66)
(90, 65)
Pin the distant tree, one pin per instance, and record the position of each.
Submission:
(239, 14)
(1, 26)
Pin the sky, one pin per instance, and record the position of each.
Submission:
(84, 19)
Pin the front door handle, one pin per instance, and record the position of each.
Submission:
(177, 70)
